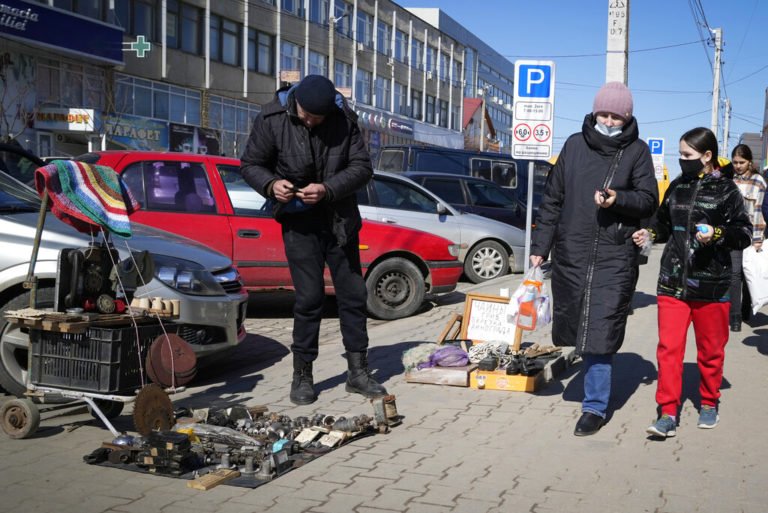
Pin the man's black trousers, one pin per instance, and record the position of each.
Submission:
(309, 245)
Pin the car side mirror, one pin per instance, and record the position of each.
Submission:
(441, 209)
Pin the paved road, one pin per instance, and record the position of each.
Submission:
(457, 449)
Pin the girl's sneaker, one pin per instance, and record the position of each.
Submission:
(664, 427)
(708, 417)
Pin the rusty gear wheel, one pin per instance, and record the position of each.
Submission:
(152, 410)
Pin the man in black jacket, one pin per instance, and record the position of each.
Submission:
(306, 153)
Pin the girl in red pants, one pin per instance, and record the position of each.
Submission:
(701, 219)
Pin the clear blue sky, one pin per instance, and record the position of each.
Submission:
(672, 87)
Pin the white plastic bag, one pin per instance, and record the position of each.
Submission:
(531, 290)
(755, 266)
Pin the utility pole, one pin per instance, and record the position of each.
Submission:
(718, 33)
(331, 27)
(331, 33)
(724, 151)
(617, 50)
(482, 122)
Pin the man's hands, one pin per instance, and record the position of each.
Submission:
(284, 192)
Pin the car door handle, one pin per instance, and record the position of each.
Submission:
(248, 234)
(389, 220)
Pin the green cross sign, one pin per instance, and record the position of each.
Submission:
(141, 46)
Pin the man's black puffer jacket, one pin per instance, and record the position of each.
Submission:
(690, 270)
(332, 153)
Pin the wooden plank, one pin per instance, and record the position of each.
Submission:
(213, 478)
(455, 376)
(451, 330)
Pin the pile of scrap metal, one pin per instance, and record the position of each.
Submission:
(256, 444)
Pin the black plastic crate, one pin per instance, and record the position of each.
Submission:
(102, 360)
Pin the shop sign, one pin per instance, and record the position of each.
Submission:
(59, 30)
(399, 126)
(384, 122)
(134, 132)
(193, 139)
(71, 120)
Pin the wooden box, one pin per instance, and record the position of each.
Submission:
(456, 376)
(499, 380)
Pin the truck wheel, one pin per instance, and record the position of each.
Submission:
(14, 343)
(395, 289)
(485, 261)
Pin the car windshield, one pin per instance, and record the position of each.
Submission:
(16, 196)
(17, 178)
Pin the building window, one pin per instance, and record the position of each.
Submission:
(429, 111)
(230, 49)
(363, 86)
(417, 54)
(457, 73)
(233, 119)
(383, 93)
(172, 24)
(191, 21)
(443, 114)
(444, 60)
(214, 36)
(291, 57)
(318, 11)
(431, 58)
(260, 54)
(416, 97)
(292, 7)
(70, 85)
(343, 13)
(401, 46)
(384, 38)
(90, 8)
(455, 119)
(365, 29)
(401, 99)
(151, 99)
(318, 64)
(343, 75)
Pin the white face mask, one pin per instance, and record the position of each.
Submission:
(610, 131)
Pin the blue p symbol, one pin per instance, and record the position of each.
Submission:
(656, 146)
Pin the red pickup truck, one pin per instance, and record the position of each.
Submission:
(205, 198)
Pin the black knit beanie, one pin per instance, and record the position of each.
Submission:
(316, 95)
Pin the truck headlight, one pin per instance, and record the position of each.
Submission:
(187, 277)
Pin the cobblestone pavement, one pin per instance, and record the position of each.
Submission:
(458, 449)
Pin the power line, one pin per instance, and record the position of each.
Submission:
(601, 54)
(675, 119)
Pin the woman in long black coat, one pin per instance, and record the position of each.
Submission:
(601, 187)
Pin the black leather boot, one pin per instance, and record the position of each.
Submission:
(735, 323)
(359, 379)
(303, 386)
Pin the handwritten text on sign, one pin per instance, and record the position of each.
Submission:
(488, 321)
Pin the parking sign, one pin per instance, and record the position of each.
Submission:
(533, 109)
(656, 146)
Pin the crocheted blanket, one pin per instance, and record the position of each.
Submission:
(87, 197)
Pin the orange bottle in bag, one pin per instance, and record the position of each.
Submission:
(526, 315)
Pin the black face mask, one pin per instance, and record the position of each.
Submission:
(691, 168)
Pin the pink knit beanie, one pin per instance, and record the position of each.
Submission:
(613, 97)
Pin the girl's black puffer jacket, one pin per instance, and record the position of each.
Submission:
(690, 270)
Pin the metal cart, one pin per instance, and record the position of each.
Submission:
(65, 366)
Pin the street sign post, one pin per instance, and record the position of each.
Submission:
(656, 145)
(533, 109)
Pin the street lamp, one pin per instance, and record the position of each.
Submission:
(332, 21)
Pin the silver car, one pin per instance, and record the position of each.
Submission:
(489, 248)
(212, 299)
